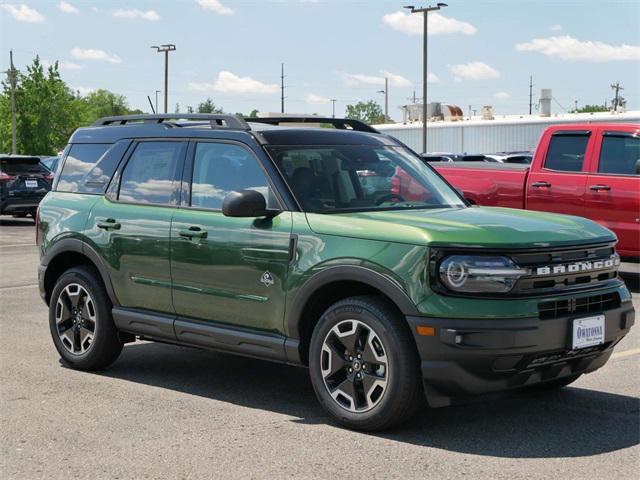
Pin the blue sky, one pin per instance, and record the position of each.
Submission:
(480, 53)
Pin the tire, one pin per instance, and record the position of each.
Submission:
(388, 387)
(558, 383)
(92, 343)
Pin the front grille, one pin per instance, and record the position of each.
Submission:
(578, 306)
(566, 269)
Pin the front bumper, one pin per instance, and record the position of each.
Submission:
(475, 356)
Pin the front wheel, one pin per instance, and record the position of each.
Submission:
(80, 321)
(364, 366)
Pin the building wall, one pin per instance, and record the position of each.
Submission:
(490, 136)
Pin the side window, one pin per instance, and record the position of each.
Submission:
(152, 174)
(566, 152)
(620, 154)
(220, 168)
(80, 160)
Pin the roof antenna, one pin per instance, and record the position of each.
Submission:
(151, 104)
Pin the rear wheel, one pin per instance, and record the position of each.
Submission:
(80, 320)
(364, 366)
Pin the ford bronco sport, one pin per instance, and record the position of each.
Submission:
(293, 244)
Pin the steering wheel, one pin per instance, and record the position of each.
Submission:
(389, 196)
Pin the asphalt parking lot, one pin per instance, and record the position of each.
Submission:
(169, 412)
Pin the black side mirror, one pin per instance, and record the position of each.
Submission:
(638, 167)
(246, 203)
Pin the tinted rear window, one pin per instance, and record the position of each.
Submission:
(566, 152)
(80, 161)
(620, 154)
(16, 166)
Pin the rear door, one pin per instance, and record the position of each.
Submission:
(130, 226)
(613, 187)
(558, 183)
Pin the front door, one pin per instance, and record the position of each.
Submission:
(559, 184)
(230, 270)
(613, 190)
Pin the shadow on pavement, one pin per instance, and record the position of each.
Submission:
(16, 222)
(569, 423)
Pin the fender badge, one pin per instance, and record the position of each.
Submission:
(267, 279)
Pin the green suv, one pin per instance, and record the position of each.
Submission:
(297, 245)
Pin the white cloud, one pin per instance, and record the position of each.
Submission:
(432, 78)
(93, 54)
(23, 13)
(473, 71)
(412, 24)
(314, 99)
(555, 28)
(569, 48)
(150, 15)
(82, 90)
(395, 80)
(502, 95)
(216, 6)
(62, 65)
(66, 7)
(228, 82)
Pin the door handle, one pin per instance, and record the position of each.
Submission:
(193, 232)
(108, 224)
(541, 185)
(597, 188)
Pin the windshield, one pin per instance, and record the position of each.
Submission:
(348, 178)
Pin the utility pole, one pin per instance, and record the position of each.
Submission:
(530, 94)
(386, 99)
(333, 101)
(575, 106)
(157, 92)
(165, 49)
(425, 13)
(282, 88)
(469, 112)
(13, 74)
(616, 101)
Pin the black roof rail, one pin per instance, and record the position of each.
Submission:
(338, 123)
(216, 120)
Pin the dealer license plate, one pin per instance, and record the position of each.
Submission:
(31, 183)
(588, 332)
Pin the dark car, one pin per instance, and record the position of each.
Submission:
(456, 157)
(24, 181)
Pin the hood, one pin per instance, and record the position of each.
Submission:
(466, 227)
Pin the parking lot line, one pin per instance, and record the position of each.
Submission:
(626, 353)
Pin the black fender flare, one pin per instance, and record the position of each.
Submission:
(76, 245)
(346, 273)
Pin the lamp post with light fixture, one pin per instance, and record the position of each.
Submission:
(165, 49)
(425, 11)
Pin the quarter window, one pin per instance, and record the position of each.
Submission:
(566, 153)
(220, 168)
(620, 154)
(80, 161)
(152, 174)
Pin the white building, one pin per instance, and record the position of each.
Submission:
(502, 134)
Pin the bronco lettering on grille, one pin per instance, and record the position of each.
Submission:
(577, 267)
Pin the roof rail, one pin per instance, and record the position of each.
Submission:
(338, 123)
(216, 120)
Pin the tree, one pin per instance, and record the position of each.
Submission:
(209, 107)
(591, 109)
(369, 112)
(103, 103)
(47, 112)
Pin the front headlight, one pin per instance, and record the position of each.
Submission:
(477, 274)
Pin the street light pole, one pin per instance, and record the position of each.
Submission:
(386, 99)
(165, 49)
(157, 92)
(333, 101)
(425, 11)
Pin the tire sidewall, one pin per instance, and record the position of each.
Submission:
(102, 304)
(386, 331)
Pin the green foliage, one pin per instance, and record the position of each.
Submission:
(591, 109)
(209, 107)
(47, 111)
(369, 112)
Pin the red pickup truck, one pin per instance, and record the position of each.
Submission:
(590, 170)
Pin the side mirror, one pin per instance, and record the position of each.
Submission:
(246, 203)
(638, 167)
